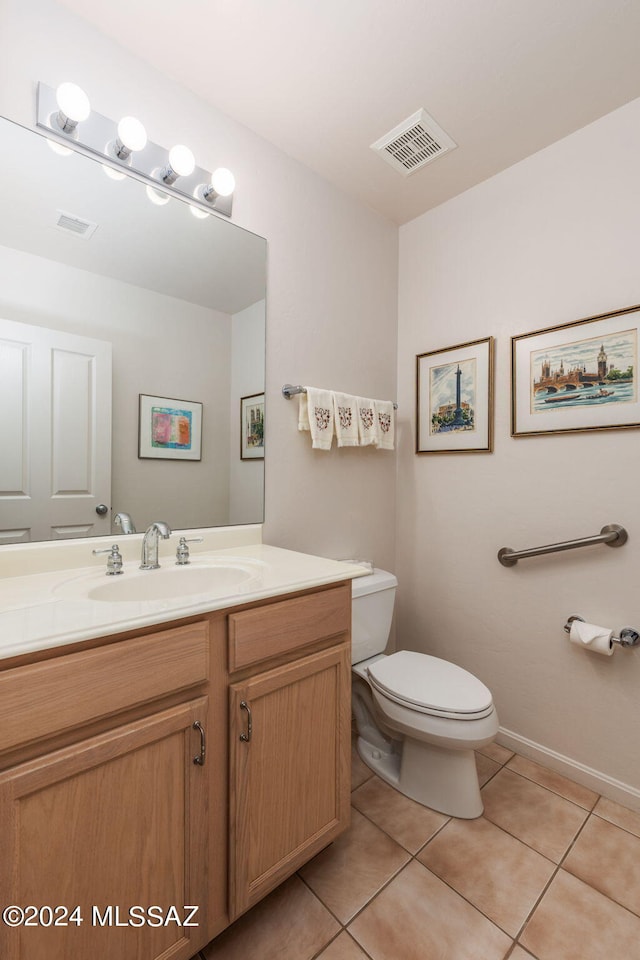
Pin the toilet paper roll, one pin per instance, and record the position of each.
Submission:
(592, 637)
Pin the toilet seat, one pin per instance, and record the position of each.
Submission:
(430, 685)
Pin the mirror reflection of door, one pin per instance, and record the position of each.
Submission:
(55, 434)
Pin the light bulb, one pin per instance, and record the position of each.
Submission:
(181, 160)
(132, 136)
(223, 182)
(181, 164)
(73, 101)
(59, 148)
(198, 213)
(157, 197)
(73, 104)
(113, 173)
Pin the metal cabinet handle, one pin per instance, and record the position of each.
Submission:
(200, 758)
(102, 509)
(246, 737)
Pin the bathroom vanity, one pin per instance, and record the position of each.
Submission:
(187, 761)
(172, 738)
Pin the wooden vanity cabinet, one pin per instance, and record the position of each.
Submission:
(290, 742)
(113, 821)
(102, 807)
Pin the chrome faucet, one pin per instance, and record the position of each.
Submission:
(157, 529)
(124, 520)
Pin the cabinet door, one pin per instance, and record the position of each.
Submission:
(290, 769)
(114, 822)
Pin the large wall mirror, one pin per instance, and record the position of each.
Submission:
(132, 345)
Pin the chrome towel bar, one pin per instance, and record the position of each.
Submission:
(290, 390)
(613, 535)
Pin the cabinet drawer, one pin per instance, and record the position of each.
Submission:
(269, 631)
(42, 699)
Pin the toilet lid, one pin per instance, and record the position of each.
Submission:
(431, 685)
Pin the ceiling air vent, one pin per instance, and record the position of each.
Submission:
(414, 143)
(76, 225)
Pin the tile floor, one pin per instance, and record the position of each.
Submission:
(551, 871)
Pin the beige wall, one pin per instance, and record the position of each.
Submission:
(246, 477)
(332, 273)
(553, 239)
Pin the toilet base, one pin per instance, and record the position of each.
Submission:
(385, 763)
(438, 778)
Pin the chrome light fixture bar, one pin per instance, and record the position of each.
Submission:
(101, 137)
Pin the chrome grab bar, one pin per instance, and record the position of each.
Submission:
(613, 535)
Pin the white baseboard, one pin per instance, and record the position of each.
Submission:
(613, 789)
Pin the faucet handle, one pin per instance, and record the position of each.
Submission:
(182, 553)
(114, 560)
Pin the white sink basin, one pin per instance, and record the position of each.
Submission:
(209, 579)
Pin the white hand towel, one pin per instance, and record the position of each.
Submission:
(367, 422)
(320, 414)
(303, 412)
(345, 412)
(386, 423)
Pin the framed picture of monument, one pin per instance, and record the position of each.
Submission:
(252, 427)
(577, 376)
(454, 399)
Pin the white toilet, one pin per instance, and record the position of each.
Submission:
(419, 718)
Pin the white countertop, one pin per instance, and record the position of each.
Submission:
(43, 610)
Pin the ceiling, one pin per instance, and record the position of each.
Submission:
(323, 79)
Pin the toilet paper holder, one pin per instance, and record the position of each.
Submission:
(629, 637)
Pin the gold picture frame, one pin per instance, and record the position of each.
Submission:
(577, 377)
(454, 398)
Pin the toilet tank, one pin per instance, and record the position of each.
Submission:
(372, 602)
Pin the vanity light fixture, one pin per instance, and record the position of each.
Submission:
(73, 107)
(65, 115)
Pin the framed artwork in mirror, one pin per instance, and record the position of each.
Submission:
(454, 399)
(252, 427)
(169, 429)
(576, 376)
